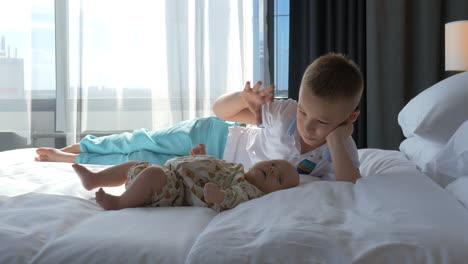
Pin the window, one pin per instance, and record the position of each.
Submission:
(74, 67)
(154, 63)
(27, 67)
(27, 50)
(281, 47)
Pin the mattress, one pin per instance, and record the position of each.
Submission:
(394, 214)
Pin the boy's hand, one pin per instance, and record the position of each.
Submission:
(212, 193)
(254, 99)
(341, 132)
(200, 149)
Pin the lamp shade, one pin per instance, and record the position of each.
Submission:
(456, 46)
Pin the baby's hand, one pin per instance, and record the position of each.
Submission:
(198, 150)
(341, 132)
(254, 99)
(212, 193)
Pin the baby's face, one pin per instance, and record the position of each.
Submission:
(273, 175)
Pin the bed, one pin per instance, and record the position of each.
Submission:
(411, 206)
(394, 214)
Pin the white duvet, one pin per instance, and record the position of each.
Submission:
(47, 217)
(393, 215)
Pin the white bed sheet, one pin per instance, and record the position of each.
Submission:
(393, 215)
(47, 217)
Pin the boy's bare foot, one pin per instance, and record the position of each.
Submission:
(56, 155)
(87, 177)
(75, 148)
(107, 201)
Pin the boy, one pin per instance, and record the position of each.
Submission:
(313, 133)
(197, 180)
(310, 133)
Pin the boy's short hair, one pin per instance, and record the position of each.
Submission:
(333, 76)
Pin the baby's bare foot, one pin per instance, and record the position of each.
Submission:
(86, 176)
(51, 154)
(107, 201)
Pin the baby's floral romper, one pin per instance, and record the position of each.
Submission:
(186, 177)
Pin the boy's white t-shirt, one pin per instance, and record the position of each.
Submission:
(278, 138)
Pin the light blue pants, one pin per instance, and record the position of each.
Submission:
(157, 146)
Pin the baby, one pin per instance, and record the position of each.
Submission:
(197, 180)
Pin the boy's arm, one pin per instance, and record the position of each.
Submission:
(245, 106)
(231, 107)
(345, 170)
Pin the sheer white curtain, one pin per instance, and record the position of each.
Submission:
(147, 63)
(27, 70)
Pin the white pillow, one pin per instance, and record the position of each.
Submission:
(459, 189)
(452, 160)
(438, 111)
(420, 151)
(380, 161)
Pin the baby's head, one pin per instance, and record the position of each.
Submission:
(273, 175)
(329, 95)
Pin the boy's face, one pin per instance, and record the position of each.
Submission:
(273, 175)
(316, 116)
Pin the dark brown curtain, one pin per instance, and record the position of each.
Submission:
(405, 55)
(318, 27)
(398, 44)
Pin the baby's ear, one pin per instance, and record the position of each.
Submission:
(354, 115)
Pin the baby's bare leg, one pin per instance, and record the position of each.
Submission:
(149, 181)
(110, 177)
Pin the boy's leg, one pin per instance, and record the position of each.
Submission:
(66, 154)
(74, 148)
(91, 147)
(118, 158)
(160, 145)
(125, 143)
(56, 155)
(109, 177)
(177, 140)
(119, 148)
(149, 181)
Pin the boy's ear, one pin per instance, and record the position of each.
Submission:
(354, 115)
